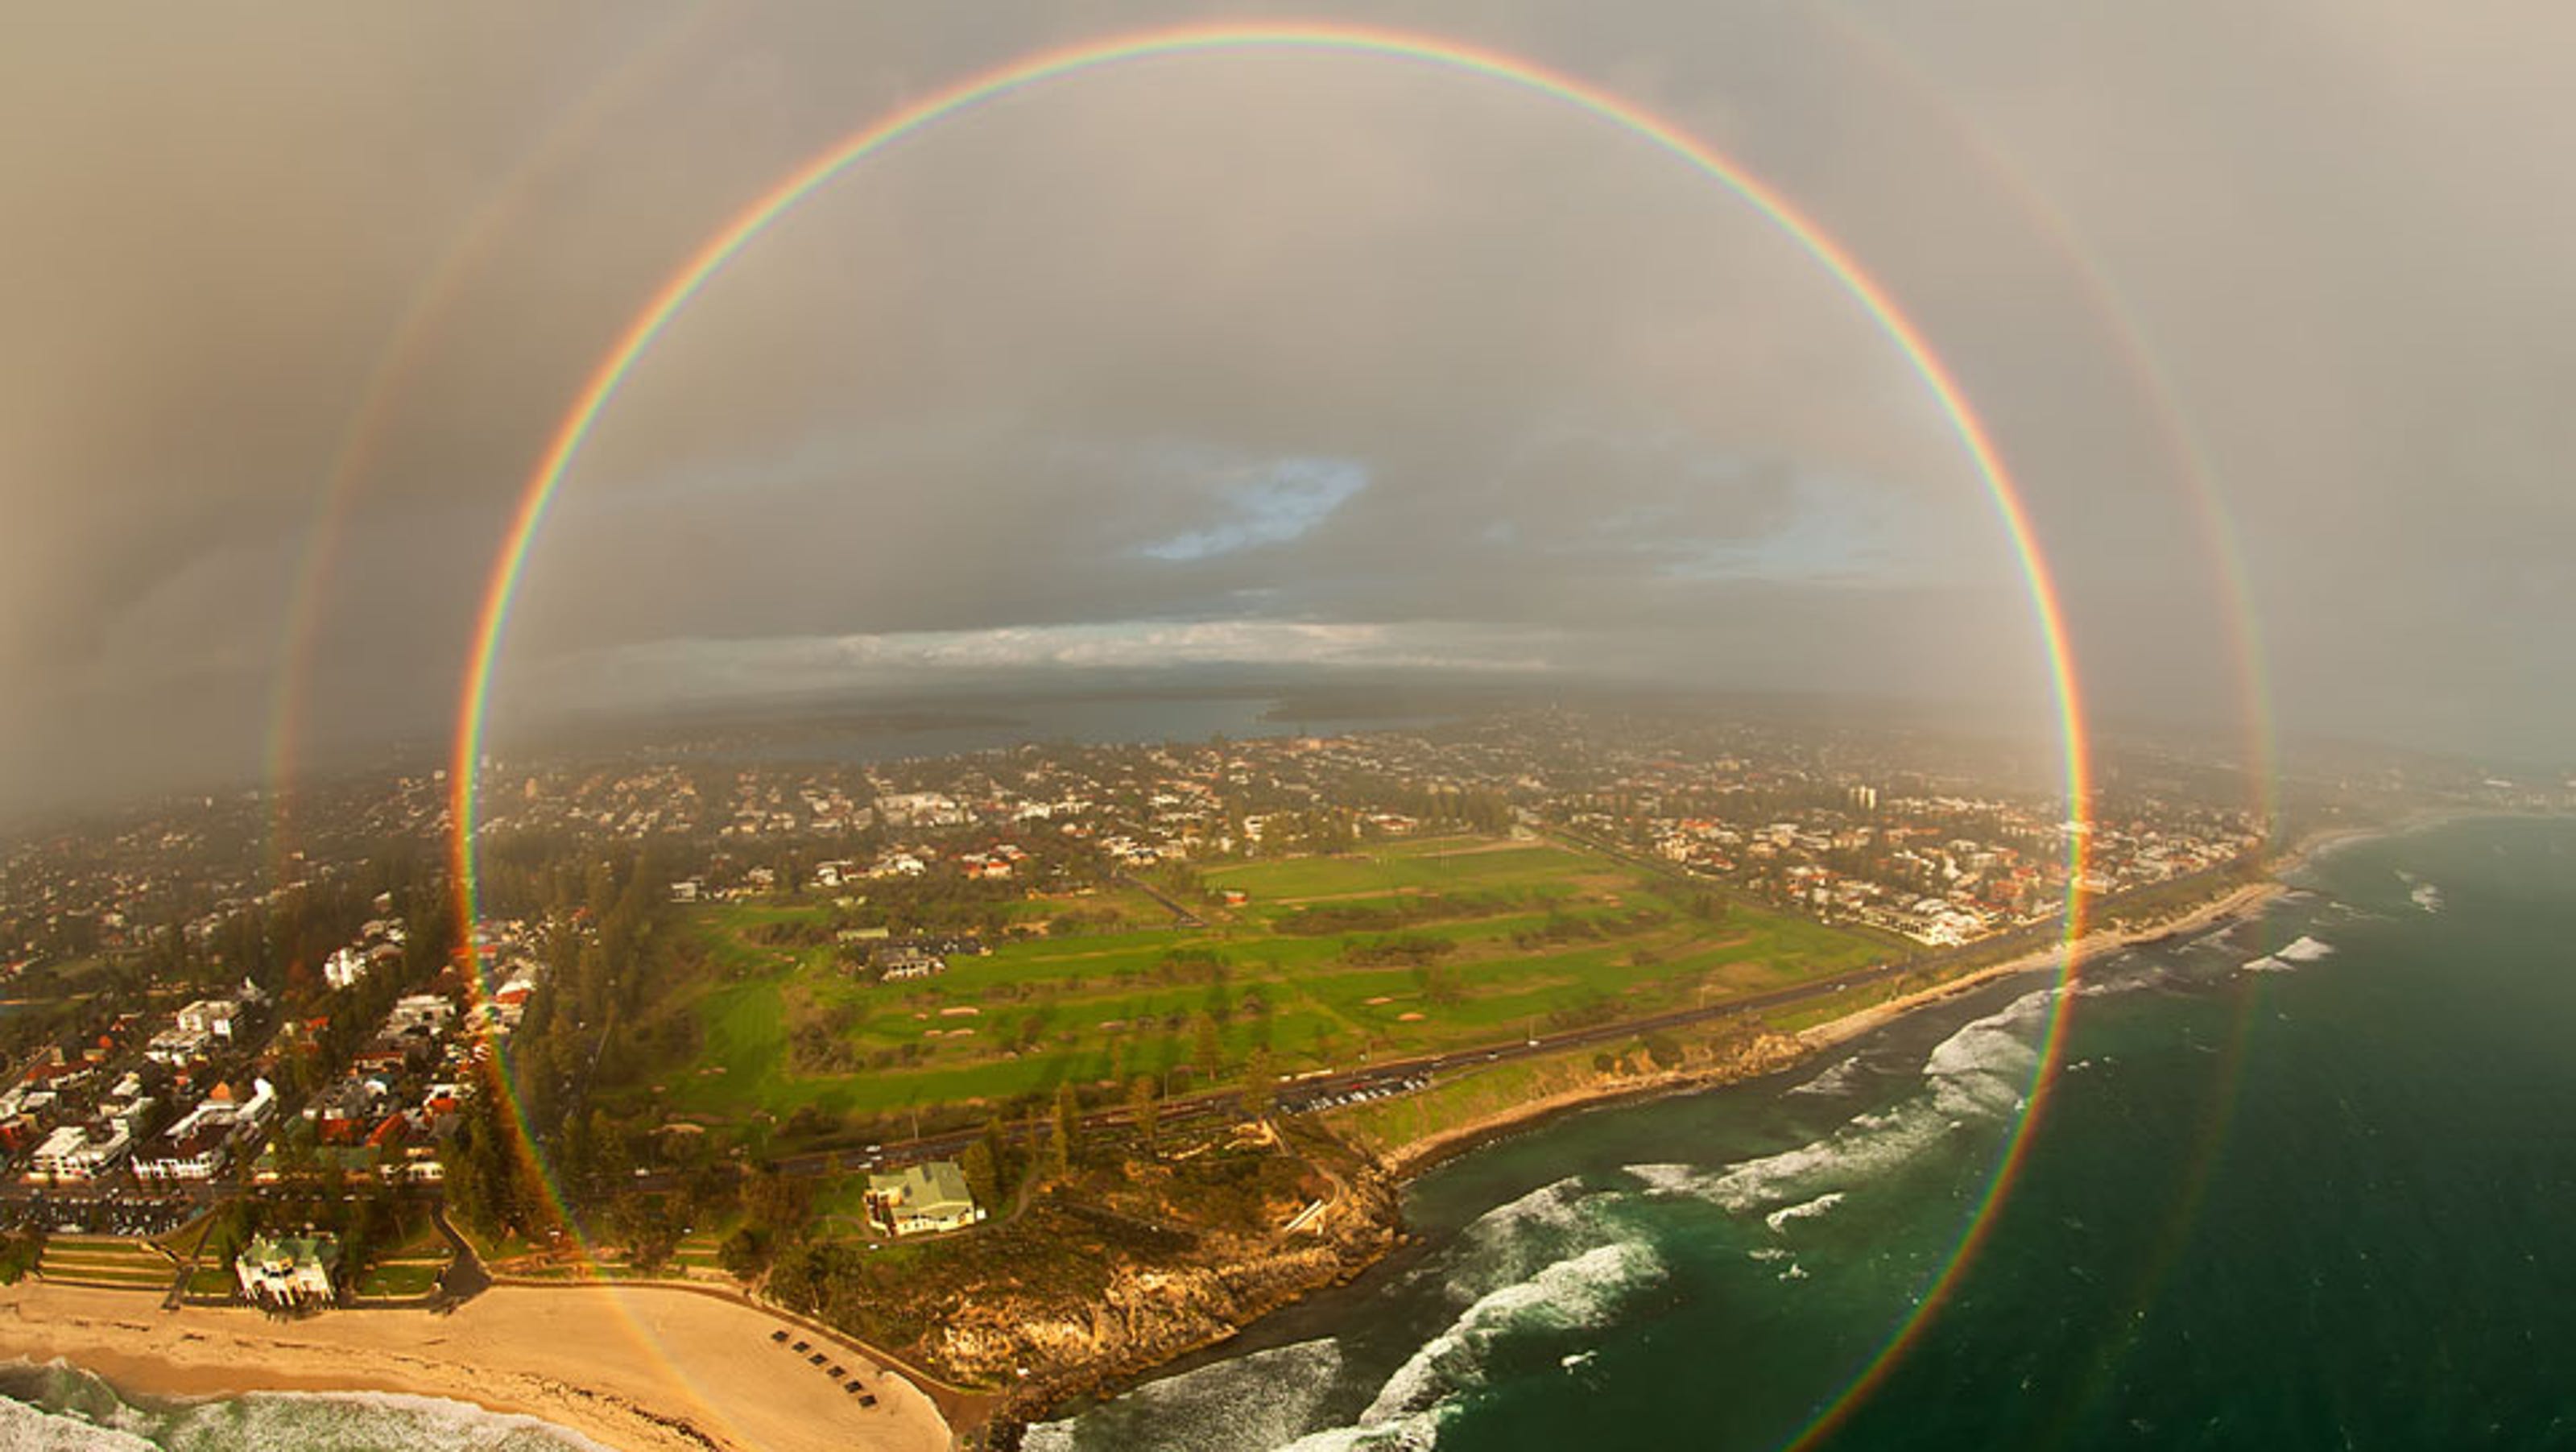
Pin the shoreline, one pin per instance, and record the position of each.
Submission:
(138, 1378)
(1416, 1157)
(637, 1369)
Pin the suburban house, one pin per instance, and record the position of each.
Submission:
(922, 1198)
(898, 964)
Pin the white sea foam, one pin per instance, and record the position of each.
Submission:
(1413, 1434)
(1246, 1403)
(1981, 1071)
(1578, 1292)
(1841, 1078)
(1423, 1394)
(1668, 1179)
(1868, 1145)
(1779, 1220)
(1977, 1074)
(1510, 1241)
(74, 1409)
(2286, 959)
(32, 1429)
(2427, 896)
(2124, 983)
(1553, 1206)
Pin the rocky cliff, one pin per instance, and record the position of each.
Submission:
(1152, 1310)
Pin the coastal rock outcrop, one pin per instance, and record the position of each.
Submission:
(1050, 1348)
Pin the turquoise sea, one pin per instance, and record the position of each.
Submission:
(2307, 1181)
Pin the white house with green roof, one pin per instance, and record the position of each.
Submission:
(922, 1198)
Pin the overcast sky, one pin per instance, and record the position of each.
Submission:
(1279, 359)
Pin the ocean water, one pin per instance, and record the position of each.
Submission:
(57, 1408)
(2308, 1181)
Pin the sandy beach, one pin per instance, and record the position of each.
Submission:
(637, 1368)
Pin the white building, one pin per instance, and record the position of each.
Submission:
(344, 968)
(177, 1046)
(78, 1153)
(211, 1016)
(289, 1272)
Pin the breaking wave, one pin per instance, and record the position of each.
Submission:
(1841, 1078)
(2287, 959)
(1823, 1204)
(1980, 1073)
(1577, 1293)
(1243, 1404)
(1513, 1240)
(57, 1407)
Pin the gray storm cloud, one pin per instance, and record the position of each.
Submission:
(1276, 358)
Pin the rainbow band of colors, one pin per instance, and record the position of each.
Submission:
(692, 277)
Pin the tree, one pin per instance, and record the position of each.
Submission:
(1260, 1085)
(644, 1222)
(1006, 1169)
(1140, 1101)
(1067, 1126)
(745, 1253)
(610, 1161)
(1210, 1055)
(983, 1176)
(776, 1203)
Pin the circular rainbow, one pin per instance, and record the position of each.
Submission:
(1444, 55)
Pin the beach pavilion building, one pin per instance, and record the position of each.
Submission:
(289, 1273)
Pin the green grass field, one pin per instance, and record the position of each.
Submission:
(401, 1278)
(1537, 933)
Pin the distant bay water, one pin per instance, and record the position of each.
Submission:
(2308, 1181)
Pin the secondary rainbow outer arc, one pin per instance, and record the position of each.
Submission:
(1889, 60)
(405, 348)
(2130, 335)
(684, 285)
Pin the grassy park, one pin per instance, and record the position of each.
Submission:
(1409, 948)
